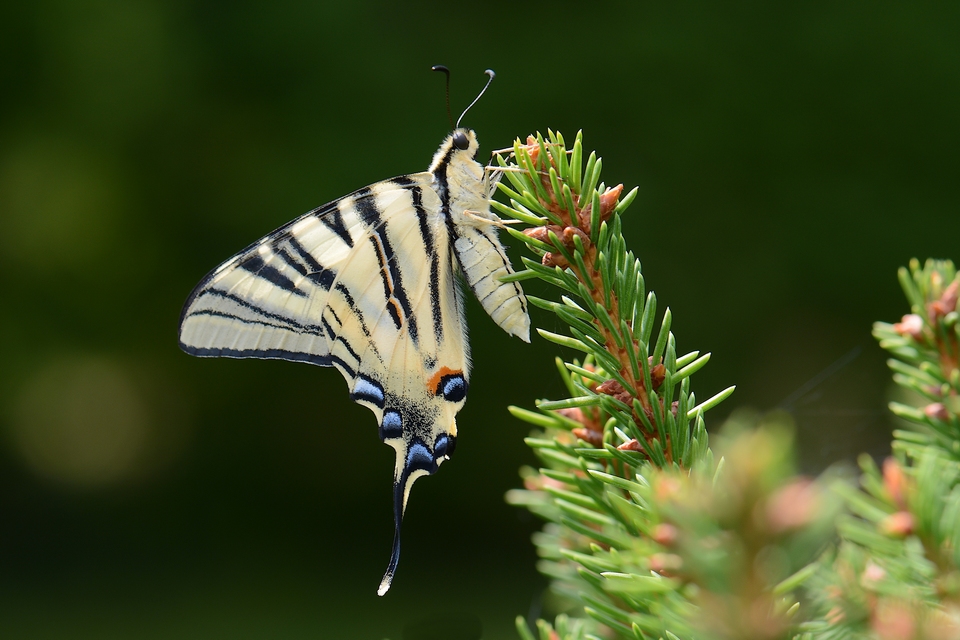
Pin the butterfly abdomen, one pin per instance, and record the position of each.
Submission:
(464, 192)
(484, 262)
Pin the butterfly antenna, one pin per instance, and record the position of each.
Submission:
(492, 75)
(440, 67)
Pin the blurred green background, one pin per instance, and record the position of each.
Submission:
(789, 159)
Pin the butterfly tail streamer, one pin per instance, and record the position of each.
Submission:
(413, 462)
(398, 509)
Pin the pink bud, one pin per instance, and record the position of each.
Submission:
(793, 506)
(543, 233)
(946, 303)
(568, 235)
(554, 260)
(873, 574)
(910, 325)
(936, 411)
(895, 482)
(893, 621)
(666, 564)
(589, 436)
(573, 413)
(665, 534)
(533, 148)
(898, 525)
(657, 375)
(613, 388)
(667, 488)
(608, 203)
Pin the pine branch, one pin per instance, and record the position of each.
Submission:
(647, 536)
(925, 346)
(644, 395)
(896, 572)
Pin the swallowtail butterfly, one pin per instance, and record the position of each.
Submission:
(368, 284)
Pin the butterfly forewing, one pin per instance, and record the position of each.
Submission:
(367, 284)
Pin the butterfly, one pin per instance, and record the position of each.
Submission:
(367, 284)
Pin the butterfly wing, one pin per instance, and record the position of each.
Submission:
(364, 284)
(276, 299)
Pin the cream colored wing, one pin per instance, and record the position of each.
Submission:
(364, 284)
(367, 284)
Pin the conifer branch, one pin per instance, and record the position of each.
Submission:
(576, 235)
(647, 536)
(621, 546)
(897, 567)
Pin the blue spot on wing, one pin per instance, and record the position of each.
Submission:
(368, 390)
(440, 447)
(391, 426)
(419, 457)
(453, 387)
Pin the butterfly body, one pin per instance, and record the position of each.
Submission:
(367, 284)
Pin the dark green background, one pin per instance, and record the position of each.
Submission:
(789, 160)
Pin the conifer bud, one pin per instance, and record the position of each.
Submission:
(594, 438)
(936, 411)
(666, 564)
(665, 534)
(895, 482)
(911, 325)
(946, 303)
(898, 525)
(793, 506)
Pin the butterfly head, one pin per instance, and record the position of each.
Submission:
(459, 147)
(464, 140)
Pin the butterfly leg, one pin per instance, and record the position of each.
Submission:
(509, 152)
(493, 168)
(495, 221)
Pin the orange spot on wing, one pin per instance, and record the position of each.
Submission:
(434, 382)
(396, 306)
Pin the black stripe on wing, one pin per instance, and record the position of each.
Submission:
(246, 304)
(288, 250)
(334, 221)
(311, 264)
(273, 240)
(213, 313)
(393, 290)
(328, 360)
(430, 247)
(256, 265)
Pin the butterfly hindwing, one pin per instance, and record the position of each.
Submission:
(367, 284)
